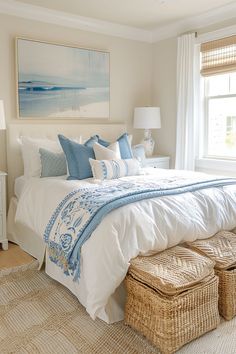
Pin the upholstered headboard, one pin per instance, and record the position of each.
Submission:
(44, 130)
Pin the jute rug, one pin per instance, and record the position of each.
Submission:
(39, 316)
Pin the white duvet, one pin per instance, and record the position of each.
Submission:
(138, 228)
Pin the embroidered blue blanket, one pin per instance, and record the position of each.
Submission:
(79, 213)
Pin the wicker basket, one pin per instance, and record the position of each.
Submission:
(227, 293)
(172, 297)
(171, 322)
(222, 249)
(172, 271)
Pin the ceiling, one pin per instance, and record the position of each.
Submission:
(144, 14)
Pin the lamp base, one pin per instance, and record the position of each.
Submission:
(148, 143)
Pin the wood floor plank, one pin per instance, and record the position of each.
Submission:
(15, 256)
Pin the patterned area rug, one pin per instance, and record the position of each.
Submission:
(39, 316)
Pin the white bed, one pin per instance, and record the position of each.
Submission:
(28, 239)
(19, 185)
(141, 227)
(17, 233)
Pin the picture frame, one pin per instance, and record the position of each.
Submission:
(61, 81)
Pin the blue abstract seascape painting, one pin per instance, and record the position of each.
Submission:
(61, 81)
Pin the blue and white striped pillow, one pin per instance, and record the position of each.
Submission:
(112, 169)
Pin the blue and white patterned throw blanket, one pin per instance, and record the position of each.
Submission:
(82, 210)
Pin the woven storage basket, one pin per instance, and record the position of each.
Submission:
(227, 293)
(170, 321)
(222, 249)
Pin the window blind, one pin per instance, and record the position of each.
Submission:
(218, 56)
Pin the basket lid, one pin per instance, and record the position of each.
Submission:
(171, 271)
(221, 248)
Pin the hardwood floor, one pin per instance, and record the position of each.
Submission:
(13, 257)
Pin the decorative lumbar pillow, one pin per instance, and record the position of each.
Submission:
(30, 153)
(112, 169)
(112, 152)
(53, 163)
(77, 157)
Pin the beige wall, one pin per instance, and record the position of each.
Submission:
(141, 74)
(164, 94)
(130, 68)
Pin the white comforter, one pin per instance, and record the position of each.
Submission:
(138, 228)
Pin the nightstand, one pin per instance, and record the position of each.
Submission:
(158, 162)
(3, 231)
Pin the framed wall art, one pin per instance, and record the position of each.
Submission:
(60, 81)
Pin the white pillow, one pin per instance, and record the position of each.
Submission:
(112, 169)
(112, 152)
(30, 153)
(130, 138)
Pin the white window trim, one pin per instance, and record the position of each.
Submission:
(202, 163)
(206, 133)
(216, 166)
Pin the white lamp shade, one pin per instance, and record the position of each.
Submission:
(2, 116)
(147, 118)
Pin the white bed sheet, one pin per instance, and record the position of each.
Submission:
(138, 228)
(22, 180)
(19, 185)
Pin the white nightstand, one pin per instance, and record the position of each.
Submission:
(3, 231)
(158, 162)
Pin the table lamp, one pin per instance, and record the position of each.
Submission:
(147, 118)
(2, 116)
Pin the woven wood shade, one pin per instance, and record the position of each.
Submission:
(218, 56)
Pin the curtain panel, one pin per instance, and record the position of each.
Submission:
(185, 138)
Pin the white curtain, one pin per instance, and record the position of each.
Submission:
(186, 134)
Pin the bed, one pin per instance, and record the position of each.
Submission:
(144, 226)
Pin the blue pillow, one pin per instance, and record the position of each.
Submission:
(139, 153)
(90, 142)
(125, 148)
(97, 139)
(103, 142)
(77, 157)
(53, 163)
(123, 140)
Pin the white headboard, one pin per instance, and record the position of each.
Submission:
(44, 130)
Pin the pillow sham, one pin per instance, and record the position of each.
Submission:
(52, 163)
(30, 154)
(77, 158)
(91, 141)
(101, 141)
(125, 147)
(112, 169)
(124, 144)
(106, 153)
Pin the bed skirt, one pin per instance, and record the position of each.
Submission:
(23, 236)
(35, 246)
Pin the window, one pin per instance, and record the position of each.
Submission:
(220, 116)
(218, 70)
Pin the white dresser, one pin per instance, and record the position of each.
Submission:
(3, 231)
(158, 162)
